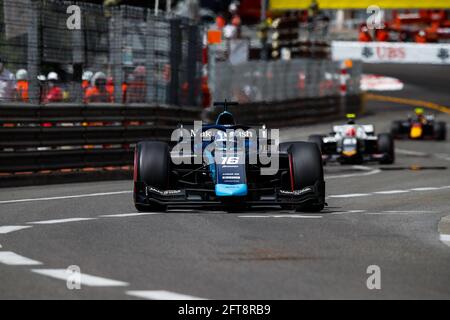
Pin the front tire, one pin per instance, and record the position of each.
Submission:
(152, 168)
(386, 146)
(307, 170)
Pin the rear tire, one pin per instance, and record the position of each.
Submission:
(396, 129)
(307, 171)
(386, 146)
(317, 139)
(152, 161)
(440, 131)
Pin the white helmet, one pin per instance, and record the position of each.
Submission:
(52, 76)
(22, 74)
(41, 77)
(87, 75)
(97, 76)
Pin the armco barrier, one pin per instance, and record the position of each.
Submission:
(34, 139)
(294, 112)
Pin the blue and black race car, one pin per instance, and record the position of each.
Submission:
(228, 165)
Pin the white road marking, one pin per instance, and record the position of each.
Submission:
(61, 221)
(351, 195)
(409, 211)
(425, 189)
(350, 211)
(126, 215)
(67, 197)
(388, 192)
(85, 279)
(161, 295)
(13, 259)
(351, 175)
(392, 192)
(294, 216)
(411, 153)
(445, 238)
(9, 229)
(399, 212)
(443, 156)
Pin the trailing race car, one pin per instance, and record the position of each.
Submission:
(355, 144)
(419, 127)
(225, 164)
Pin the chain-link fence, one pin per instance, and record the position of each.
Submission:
(272, 81)
(119, 54)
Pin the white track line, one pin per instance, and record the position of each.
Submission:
(411, 153)
(61, 221)
(85, 279)
(293, 216)
(392, 192)
(387, 192)
(445, 238)
(369, 172)
(350, 211)
(126, 215)
(13, 259)
(161, 295)
(67, 197)
(351, 195)
(425, 189)
(398, 212)
(9, 229)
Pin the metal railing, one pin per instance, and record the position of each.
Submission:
(146, 58)
(276, 81)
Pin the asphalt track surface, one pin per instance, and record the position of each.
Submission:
(387, 218)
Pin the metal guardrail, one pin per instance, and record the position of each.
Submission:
(36, 138)
(295, 112)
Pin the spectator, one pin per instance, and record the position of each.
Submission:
(86, 80)
(98, 91)
(364, 35)
(220, 21)
(22, 85)
(137, 89)
(382, 35)
(42, 80)
(54, 92)
(421, 37)
(235, 18)
(7, 83)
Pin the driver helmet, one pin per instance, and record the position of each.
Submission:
(351, 118)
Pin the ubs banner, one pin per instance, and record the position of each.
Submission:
(360, 4)
(384, 52)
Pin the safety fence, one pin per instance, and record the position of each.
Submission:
(65, 136)
(295, 112)
(277, 81)
(118, 54)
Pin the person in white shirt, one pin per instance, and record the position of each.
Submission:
(7, 83)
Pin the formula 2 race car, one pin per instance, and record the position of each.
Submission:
(419, 127)
(230, 166)
(355, 144)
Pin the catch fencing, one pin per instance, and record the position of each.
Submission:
(146, 58)
(277, 81)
